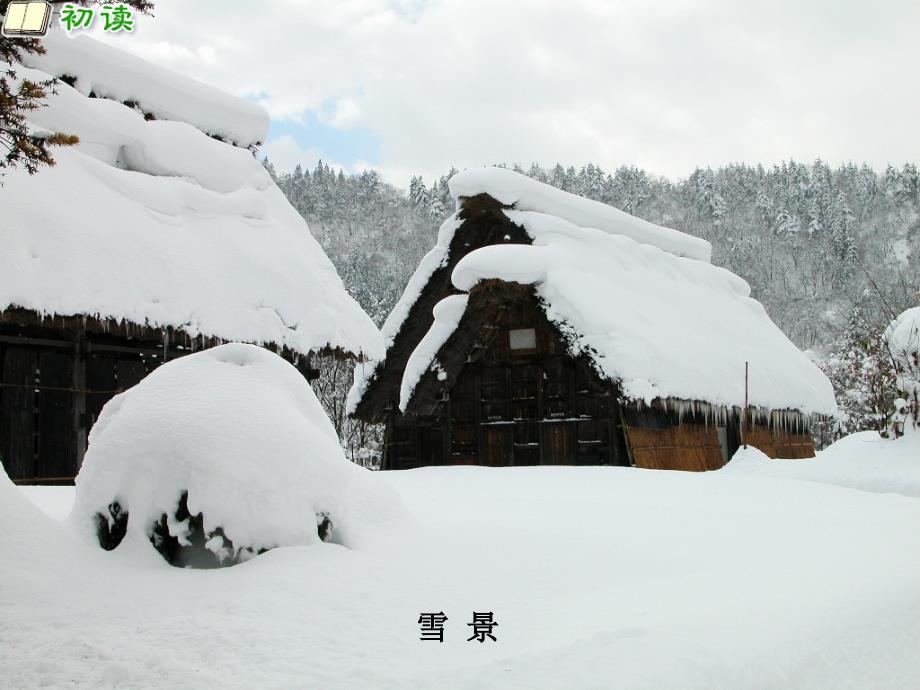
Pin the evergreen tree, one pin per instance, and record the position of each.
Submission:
(843, 241)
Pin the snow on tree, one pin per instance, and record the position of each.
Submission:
(436, 206)
(843, 241)
(786, 225)
(418, 194)
(21, 145)
(903, 340)
(863, 376)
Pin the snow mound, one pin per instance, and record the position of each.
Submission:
(863, 461)
(107, 72)
(664, 326)
(525, 194)
(157, 223)
(239, 430)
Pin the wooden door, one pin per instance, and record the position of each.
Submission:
(496, 445)
(57, 442)
(558, 443)
(18, 416)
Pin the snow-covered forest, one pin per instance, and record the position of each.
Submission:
(832, 253)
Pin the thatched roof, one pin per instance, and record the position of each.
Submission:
(662, 326)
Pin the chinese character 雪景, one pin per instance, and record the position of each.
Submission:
(432, 626)
(482, 627)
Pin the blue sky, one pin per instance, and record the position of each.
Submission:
(343, 146)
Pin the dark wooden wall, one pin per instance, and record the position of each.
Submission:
(537, 406)
(54, 382)
(50, 396)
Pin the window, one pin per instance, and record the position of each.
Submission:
(523, 339)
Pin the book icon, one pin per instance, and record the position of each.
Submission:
(26, 19)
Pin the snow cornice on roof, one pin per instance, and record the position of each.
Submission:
(525, 194)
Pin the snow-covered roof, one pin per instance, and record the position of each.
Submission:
(662, 325)
(108, 72)
(156, 223)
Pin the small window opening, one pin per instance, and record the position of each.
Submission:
(523, 339)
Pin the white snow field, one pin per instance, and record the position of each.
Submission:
(597, 577)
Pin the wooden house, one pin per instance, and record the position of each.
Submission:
(544, 328)
(157, 235)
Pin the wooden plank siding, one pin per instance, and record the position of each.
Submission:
(57, 450)
(505, 406)
(18, 415)
(50, 397)
(54, 383)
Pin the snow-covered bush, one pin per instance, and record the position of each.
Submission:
(903, 340)
(362, 441)
(216, 457)
(860, 369)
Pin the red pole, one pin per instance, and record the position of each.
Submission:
(744, 413)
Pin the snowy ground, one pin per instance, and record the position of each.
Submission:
(598, 578)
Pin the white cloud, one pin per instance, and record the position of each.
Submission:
(666, 86)
(345, 113)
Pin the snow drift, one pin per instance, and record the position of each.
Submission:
(157, 223)
(863, 461)
(240, 431)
